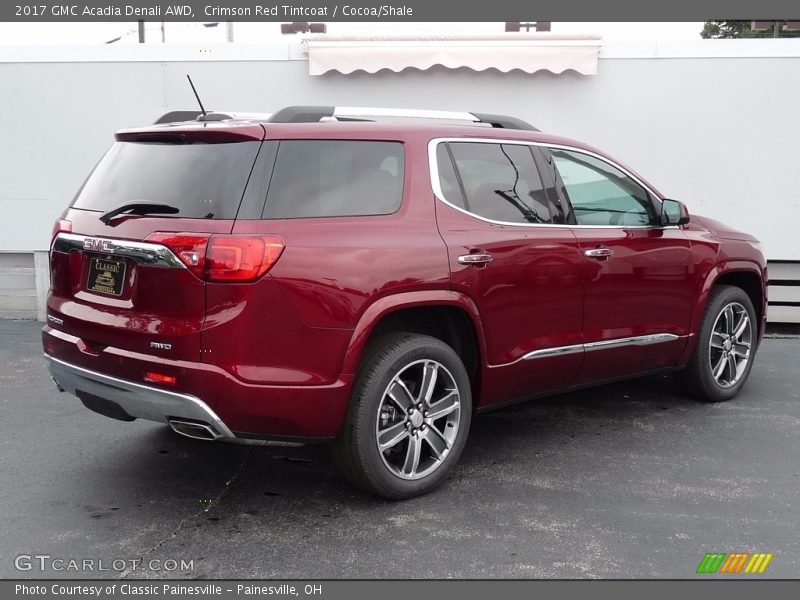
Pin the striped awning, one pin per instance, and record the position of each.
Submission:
(528, 52)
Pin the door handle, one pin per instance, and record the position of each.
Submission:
(478, 258)
(599, 253)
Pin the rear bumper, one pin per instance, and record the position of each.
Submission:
(233, 409)
(134, 400)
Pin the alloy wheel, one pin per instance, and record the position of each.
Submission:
(730, 345)
(418, 419)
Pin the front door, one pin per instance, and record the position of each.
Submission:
(638, 291)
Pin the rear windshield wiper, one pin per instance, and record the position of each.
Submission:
(140, 207)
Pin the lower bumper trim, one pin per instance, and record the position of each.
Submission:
(126, 400)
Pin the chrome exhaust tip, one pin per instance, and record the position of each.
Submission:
(58, 385)
(202, 431)
(196, 431)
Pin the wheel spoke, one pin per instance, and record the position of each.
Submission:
(729, 318)
(391, 436)
(717, 340)
(741, 327)
(430, 373)
(732, 368)
(444, 406)
(436, 441)
(720, 368)
(412, 455)
(742, 349)
(399, 393)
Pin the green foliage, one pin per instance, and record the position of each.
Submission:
(715, 30)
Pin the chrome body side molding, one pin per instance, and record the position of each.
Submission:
(639, 340)
(558, 351)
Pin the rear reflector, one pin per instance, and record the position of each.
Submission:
(223, 258)
(154, 377)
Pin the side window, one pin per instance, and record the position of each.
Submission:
(601, 194)
(448, 181)
(501, 183)
(334, 178)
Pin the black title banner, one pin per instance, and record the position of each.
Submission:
(400, 10)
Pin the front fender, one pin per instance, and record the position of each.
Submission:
(713, 276)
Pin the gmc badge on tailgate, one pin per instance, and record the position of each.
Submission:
(98, 245)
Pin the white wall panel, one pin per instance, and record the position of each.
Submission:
(715, 129)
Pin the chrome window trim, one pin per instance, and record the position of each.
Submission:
(154, 255)
(638, 340)
(433, 167)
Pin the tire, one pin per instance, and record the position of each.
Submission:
(717, 373)
(421, 446)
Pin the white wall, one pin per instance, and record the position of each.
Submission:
(711, 123)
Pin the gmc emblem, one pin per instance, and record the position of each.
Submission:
(98, 245)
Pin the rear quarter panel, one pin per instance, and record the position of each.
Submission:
(333, 269)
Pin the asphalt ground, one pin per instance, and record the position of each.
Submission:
(624, 481)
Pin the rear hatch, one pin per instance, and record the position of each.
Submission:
(135, 280)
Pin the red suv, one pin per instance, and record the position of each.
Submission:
(372, 278)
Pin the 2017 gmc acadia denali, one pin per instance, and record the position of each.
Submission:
(373, 278)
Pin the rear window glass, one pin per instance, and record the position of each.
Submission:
(334, 178)
(200, 180)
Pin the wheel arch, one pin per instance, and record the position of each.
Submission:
(743, 274)
(449, 316)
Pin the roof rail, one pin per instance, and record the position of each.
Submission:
(314, 114)
(504, 122)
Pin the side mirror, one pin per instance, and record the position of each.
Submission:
(673, 213)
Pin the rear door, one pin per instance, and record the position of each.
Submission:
(510, 251)
(638, 281)
(134, 281)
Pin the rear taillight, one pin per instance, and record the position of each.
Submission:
(241, 258)
(223, 258)
(190, 248)
(61, 225)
